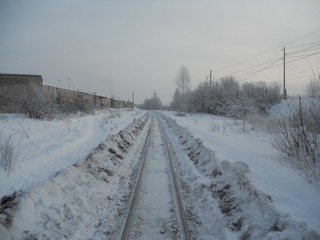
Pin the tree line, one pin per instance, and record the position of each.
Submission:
(225, 96)
(296, 135)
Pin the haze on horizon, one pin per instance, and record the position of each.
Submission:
(116, 48)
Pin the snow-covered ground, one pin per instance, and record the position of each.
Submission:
(42, 148)
(155, 212)
(77, 178)
(82, 200)
(290, 192)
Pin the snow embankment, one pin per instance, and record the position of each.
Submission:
(81, 201)
(287, 108)
(243, 187)
(42, 148)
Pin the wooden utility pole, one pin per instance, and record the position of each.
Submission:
(210, 78)
(284, 74)
(132, 100)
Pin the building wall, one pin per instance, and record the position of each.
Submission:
(15, 89)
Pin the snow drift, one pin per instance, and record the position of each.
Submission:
(244, 212)
(81, 201)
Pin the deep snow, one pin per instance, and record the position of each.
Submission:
(80, 201)
(290, 191)
(42, 148)
(74, 189)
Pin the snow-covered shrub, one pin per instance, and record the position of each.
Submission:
(77, 103)
(38, 104)
(261, 95)
(9, 150)
(245, 211)
(6, 150)
(4, 102)
(313, 88)
(298, 137)
(227, 97)
(82, 105)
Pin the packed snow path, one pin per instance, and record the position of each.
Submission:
(154, 211)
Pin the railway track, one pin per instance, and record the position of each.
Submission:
(156, 210)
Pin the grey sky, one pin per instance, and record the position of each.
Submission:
(120, 47)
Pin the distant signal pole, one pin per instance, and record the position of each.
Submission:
(284, 74)
(210, 78)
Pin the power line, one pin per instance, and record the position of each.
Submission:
(256, 66)
(297, 62)
(307, 35)
(303, 76)
(304, 45)
(315, 47)
(273, 49)
(252, 74)
(270, 66)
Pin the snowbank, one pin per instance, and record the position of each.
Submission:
(82, 200)
(42, 148)
(257, 194)
(286, 107)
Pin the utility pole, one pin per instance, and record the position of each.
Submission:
(284, 74)
(210, 78)
(132, 100)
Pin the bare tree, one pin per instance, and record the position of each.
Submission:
(262, 95)
(182, 81)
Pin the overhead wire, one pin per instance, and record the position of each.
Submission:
(272, 64)
(300, 59)
(252, 67)
(303, 45)
(269, 51)
(252, 74)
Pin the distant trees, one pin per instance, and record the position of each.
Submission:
(153, 103)
(228, 97)
(297, 135)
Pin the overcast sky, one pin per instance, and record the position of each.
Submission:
(116, 48)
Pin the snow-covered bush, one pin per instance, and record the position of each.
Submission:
(228, 97)
(38, 104)
(82, 105)
(6, 150)
(313, 88)
(298, 137)
(9, 150)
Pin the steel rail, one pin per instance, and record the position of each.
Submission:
(125, 230)
(183, 218)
